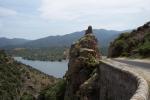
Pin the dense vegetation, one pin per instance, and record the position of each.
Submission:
(20, 82)
(134, 44)
(144, 49)
(54, 92)
(43, 54)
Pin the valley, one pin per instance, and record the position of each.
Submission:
(43, 72)
(74, 49)
(54, 48)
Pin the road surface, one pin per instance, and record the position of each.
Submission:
(135, 63)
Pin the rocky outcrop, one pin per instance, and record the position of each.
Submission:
(83, 61)
(89, 30)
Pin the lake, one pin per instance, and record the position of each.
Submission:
(57, 69)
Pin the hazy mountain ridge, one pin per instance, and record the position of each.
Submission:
(104, 37)
(12, 42)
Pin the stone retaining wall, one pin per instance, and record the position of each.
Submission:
(121, 83)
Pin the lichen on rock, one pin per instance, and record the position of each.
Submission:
(84, 59)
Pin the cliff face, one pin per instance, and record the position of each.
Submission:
(83, 61)
(134, 44)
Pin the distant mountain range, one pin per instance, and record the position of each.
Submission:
(104, 37)
(12, 42)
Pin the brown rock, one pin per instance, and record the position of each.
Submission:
(89, 30)
(83, 59)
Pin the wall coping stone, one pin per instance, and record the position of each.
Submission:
(142, 91)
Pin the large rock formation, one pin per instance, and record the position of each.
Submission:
(89, 78)
(81, 76)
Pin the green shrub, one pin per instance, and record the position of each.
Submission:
(125, 54)
(121, 45)
(27, 97)
(144, 49)
(123, 36)
(54, 92)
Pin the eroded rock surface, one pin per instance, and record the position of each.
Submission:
(82, 68)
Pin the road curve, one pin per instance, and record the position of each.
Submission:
(134, 63)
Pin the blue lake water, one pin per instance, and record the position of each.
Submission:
(57, 69)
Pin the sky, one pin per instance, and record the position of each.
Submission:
(33, 19)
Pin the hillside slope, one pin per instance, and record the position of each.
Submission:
(134, 44)
(20, 82)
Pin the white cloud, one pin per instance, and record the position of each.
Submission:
(7, 12)
(80, 9)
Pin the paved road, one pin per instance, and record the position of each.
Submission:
(134, 63)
